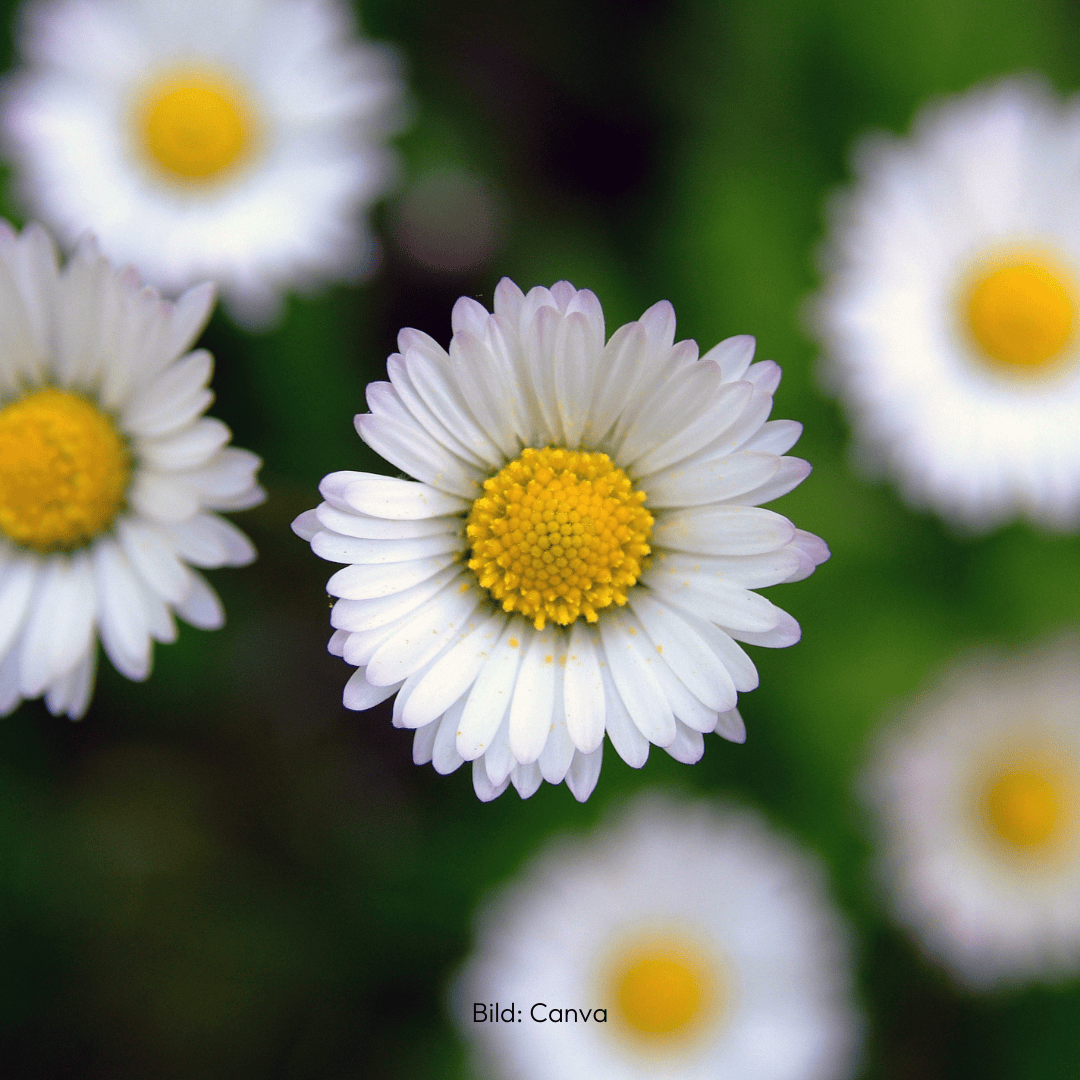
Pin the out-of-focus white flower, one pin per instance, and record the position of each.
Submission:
(978, 796)
(949, 312)
(683, 942)
(577, 553)
(108, 472)
(240, 141)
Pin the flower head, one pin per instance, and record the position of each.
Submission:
(950, 306)
(577, 552)
(237, 141)
(977, 794)
(701, 943)
(109, 473)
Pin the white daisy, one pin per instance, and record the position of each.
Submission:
(707, 943)
(577, 552)
(978, 795)
(950, 307)
(108, 472)
(238, 141)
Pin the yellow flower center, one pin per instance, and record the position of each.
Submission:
(1024, 807)
(64, 469)
(557, 534)
(662, 992)
(195, 126)
(1023, 314)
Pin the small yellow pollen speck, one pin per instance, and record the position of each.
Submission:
(559, 534)
(549, 659)
(660, 648)
(1023, 312)
(195, 126)
(64, 469)
(463, 587)
(514, 643)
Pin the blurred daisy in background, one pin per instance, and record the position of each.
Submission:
(238, 141)
(708, 942)
(578, 550)
(949, 308)
(108, 472)
(978, 799)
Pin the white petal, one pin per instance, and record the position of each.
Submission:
(350, 549)
(558, 751)
(726, 605)
(621, 366)
(172, 400)
(163, 497)
(336, 645)
(534, 696)
(424, 743)
(435, 384)
(149, 551)
(353, 523)
(492, 691)
(306, 525)
(765, 376)
(526, 779)
(642, 695)
(694, 483)
(453, 673)
(499, 758)
(124, 633)
(812, 552)
(399, 500)
(574, 363)
(583, 688)
(670, 570)
(188, 448)
(698, 431)
(17, 581)
(625, 737)
(484, 788)
(425, 635)
(688, 745)
(60, 630)
(357, 615)
(775, 437)
(201, 607)
(785, 633)
(414, 452)
(368, 582)
(685, 651)
(730, 726)
(584, 772)
(733, 356)
(444, 755)
(359, 694)
(791, 473)
(723, 530)
(210, 541)
(228, 476)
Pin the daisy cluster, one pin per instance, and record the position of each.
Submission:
(571, 549)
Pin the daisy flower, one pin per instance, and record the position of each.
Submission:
(978, 799)
(949, 309)
(681, 942)
(577, 550)
(109, 473)
(237, 141)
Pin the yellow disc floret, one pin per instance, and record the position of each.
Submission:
(1024, 807)
(1023, 314)
(64, 469)
(195, 127)
(558, 534)
(662, 992)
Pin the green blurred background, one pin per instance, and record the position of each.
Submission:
(222, 872)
